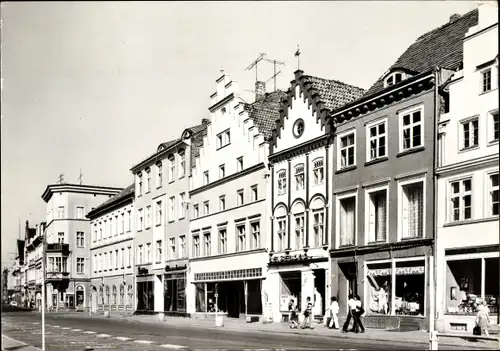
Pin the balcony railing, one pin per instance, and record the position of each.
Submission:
(63, 248)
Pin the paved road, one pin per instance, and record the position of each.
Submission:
(70, 332)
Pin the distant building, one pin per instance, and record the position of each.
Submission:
(229, 212)
(18, 273)
(33, 264)
(68, 241)
(112, 254)
(468, 180)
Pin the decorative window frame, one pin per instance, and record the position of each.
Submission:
(339, 148)
(400, 184)
(372, 124)
(299, 169)
(410, 110)
(486, 191)
(393, 75)
(314, 168)
(367, 193)
(449, 208)
(461, 134)
(338, 198)
(490, 128)
(281, 191)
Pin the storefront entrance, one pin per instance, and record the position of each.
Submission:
(175, 292)
(145, 297)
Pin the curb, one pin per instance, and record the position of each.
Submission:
(18, 345)
(287, 332)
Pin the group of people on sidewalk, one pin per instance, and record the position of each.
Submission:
(330, 320)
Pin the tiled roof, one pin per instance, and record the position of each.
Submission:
(332, 92)
(265, 112)
(122, 194)
(442, 46)
(198, 132)
(169, 143)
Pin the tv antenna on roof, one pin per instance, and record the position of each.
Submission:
(275, 63)
(61, 178)
(80, 176)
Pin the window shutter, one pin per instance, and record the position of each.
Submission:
(371, 220)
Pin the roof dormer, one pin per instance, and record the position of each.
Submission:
(395, 76)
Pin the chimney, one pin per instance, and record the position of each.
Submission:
(455, 17)
(260, 91)
(205, 121)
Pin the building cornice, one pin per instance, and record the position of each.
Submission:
(388, 96)
(227, 179)
(77, 188)
(300, 149)
(483, 161)
(110, 207)
(154, 158)
(221, 103)
(363, 250)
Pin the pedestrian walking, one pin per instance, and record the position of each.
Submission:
(351, 308)
(483, 318)
(294, 316)
(334, 311)
(308, 314)
(358, 325)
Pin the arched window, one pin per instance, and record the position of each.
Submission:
(281, 228)
(298, 239)
(318, 223)
(182, 163)
(114, 294)
(122, 294)
(282, 182)
(130, 293)
(101, 294)
(318, 171)
(107, 294)
(395, 77)
(299, 177)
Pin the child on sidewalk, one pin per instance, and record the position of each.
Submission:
(294, 316)
(308, 314)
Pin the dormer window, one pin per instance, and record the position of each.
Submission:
(394, 78)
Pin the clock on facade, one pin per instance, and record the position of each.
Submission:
(298, 128)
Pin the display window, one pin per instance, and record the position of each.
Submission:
(290, 288)
(379, 288)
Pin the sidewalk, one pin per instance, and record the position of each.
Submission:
(11, 344)
(418, 337)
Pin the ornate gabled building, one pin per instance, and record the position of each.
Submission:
(112, 254)
(300, 158)
(228, 216)
(468, 181)
(384, 185)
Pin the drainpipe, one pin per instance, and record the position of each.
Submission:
(433, 340)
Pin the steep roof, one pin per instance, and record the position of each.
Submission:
(128, 191)
(265, 112)
(167, 144)
(442, 46)
(333, 92)
(197, 134)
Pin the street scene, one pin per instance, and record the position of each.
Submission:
(250, 175)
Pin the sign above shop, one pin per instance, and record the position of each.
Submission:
(142, 270)
(399, 271)
(176, 268)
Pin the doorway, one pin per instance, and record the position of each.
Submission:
(232, 298)
(320, 290)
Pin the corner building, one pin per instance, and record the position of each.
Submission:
(300, 162)
(228, 225)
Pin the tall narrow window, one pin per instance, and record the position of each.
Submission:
(60, 212)
(240, 197)
(182, 205)
(461, 200)
(159, 168)
(318, 227)
(117, 259)
(116, 224)
(282, 241)
(281, 182)
(139, 254)
(80, 239)
(159, 256)
(206, 208)
(222, 171)
(159, 213)
(79, 212)
(196, 246)
(182, 163)
(242, 237)
(196, 211)
(255, 240)
(122, 258)
(79, 265)
(493, 194)
(413, 210)
(222, 203)
(122, 223)
(347, 221)
(171, 168)
(206, 179)
(148, 216)
(255, 192)
(148, 252)
(347, 151)
(60, 238)
(486, 80)
(172, 248)
(129, 220)
(377, 140)
(207, 244)
(239, 164)
(140, 222)
(182, 246)
(222, 241)
(377, 216)
(494, 122)
(171, 209)
(148, 180)
(470, 131)
(139, 184)
(299, 231)
(299, 177)
(318, 171)
(411, 132)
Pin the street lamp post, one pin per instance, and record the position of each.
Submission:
(43, 290)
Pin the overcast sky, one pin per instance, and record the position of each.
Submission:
(97, 86)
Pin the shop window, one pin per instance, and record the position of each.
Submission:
(200, 297)
(379, 288)
(175, 290)
(347, 221)
(290, 288)
(254, 297)
(145, 297)
(410, 288)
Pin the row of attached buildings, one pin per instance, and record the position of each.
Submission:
(321, 190)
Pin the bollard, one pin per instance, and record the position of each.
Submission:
(433, 340)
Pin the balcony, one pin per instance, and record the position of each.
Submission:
(63, 248)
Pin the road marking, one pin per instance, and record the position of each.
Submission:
(122, 338)
(56, 326)
(66, 328)
(75, 330)
(103, 336)
(170, 346)
(143, 341)
(89, 332)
